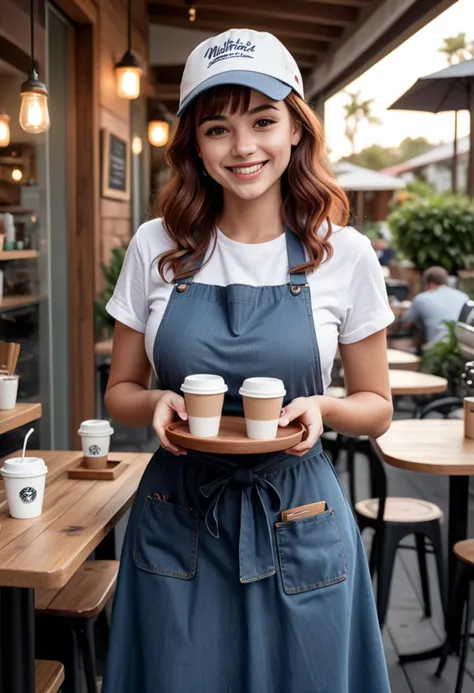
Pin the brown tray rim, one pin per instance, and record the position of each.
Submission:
(249, 446)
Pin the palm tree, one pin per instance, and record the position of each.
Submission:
(357, 112)
(455, 48)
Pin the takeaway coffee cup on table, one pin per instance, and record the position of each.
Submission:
(263, 400)
(8, 391)
(24, 479)
(95, 437)
(204, 397)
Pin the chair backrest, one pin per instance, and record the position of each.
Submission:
(464, 331)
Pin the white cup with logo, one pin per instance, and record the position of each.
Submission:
(95, 438)
(8, 391)
(262, 400)
(204, 397)
(24, 480)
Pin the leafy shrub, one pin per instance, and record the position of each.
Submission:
(435, 230)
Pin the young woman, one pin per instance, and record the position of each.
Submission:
(246, 274)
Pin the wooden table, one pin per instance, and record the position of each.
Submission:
(46, 551)
(396, 359)
(435, 446)
(404, 382)
(402, 359)
(104, 348)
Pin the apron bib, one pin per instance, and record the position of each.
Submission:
(215, 594)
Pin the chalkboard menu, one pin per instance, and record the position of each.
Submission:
(115, 166)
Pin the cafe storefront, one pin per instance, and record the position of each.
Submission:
(67, 194)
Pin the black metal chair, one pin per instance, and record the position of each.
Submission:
(461, 603)
(393, 519)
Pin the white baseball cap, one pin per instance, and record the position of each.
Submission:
(254, 59)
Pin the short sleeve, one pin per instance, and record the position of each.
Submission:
(129, 303)
(367, 308)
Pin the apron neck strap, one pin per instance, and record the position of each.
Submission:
(296, 256)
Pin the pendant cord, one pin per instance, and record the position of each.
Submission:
(129, 25)
(32, 32)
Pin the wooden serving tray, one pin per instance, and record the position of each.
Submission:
(115, 467)
(232, 438)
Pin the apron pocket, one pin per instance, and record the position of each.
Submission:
(166, 540)
(311, 553)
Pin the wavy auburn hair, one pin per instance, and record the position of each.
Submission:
(191, 203)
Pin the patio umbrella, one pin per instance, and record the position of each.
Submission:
(451, 89)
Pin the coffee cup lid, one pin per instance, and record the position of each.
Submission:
(263, 388)
(95, 427)
(19, 467)
(204, 384)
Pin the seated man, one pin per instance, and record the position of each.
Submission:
(438, 302)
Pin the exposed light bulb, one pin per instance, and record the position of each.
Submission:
(4, 129)
(192, 14)
(17, 175)
(137, 145)
(128, 82)
(34, 114)
(158, 132)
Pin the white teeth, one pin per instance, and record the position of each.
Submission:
(247, 169)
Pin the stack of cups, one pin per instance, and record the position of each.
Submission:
(24, 479)
(263, 400)
(204, 397)
(95, 438)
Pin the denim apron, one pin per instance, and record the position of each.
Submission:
(215, 594)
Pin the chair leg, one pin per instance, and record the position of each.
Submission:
(437, 543)
(387, 550)
(464, 643)
(86, 636)
(425, 587)
(351, 469)
(454, 616)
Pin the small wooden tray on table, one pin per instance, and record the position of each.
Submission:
(115, 467)
(232, 438)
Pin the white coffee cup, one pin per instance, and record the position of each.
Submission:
(24, 481)
(8, 391)
(204, 397)
(95, 439)
(262, 400)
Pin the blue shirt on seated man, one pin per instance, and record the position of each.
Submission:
(437, 303)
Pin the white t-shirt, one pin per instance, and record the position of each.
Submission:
(348, 294)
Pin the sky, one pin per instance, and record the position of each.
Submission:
(391, 77)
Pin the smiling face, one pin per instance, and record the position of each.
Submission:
(247, 149)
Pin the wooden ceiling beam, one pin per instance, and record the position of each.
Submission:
(298, 10)
(214, 20)
(347, 3)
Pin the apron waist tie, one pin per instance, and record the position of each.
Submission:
(256, 555)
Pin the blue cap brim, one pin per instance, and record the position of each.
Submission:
(275, 89)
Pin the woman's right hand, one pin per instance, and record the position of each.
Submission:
(168, 406)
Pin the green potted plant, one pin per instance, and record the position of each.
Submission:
(435, 230)
(444, 359)
(104, 323)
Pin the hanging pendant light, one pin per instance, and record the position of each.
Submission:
(4, 129)
(158, 132)
(34, 114)
(128, 70)
(159, 126)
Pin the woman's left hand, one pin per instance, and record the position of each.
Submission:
(306, 410)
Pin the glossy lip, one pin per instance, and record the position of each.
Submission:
(247, 176)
